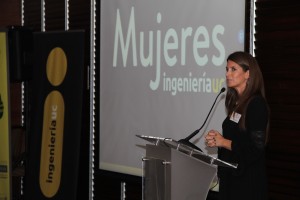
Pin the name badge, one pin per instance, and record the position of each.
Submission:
(235, 117)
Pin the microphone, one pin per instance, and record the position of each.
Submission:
(186, 140)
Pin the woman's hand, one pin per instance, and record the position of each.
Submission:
(215, 139)
(212, 138)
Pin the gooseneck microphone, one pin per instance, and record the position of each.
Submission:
(186, 140)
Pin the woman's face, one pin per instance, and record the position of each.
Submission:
(236, 77)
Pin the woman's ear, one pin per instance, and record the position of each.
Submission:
(247, 74)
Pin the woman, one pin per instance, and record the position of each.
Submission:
(244, 131)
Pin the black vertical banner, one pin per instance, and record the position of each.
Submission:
(56, 116)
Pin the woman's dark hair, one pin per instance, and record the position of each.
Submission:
(255, 85)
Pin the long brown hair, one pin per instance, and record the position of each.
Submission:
(255, 85)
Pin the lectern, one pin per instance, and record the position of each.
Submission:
(174, 171)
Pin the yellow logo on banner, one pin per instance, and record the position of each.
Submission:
(56, 66)
(53, 126)
(5, 177)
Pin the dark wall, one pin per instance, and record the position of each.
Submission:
(278, 53)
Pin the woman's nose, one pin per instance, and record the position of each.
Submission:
(227, 73)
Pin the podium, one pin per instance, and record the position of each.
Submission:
(175, 171)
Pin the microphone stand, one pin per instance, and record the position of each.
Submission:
(186, 141)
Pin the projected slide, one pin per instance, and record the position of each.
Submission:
(162, 63)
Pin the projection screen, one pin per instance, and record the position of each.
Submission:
(162, 64)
